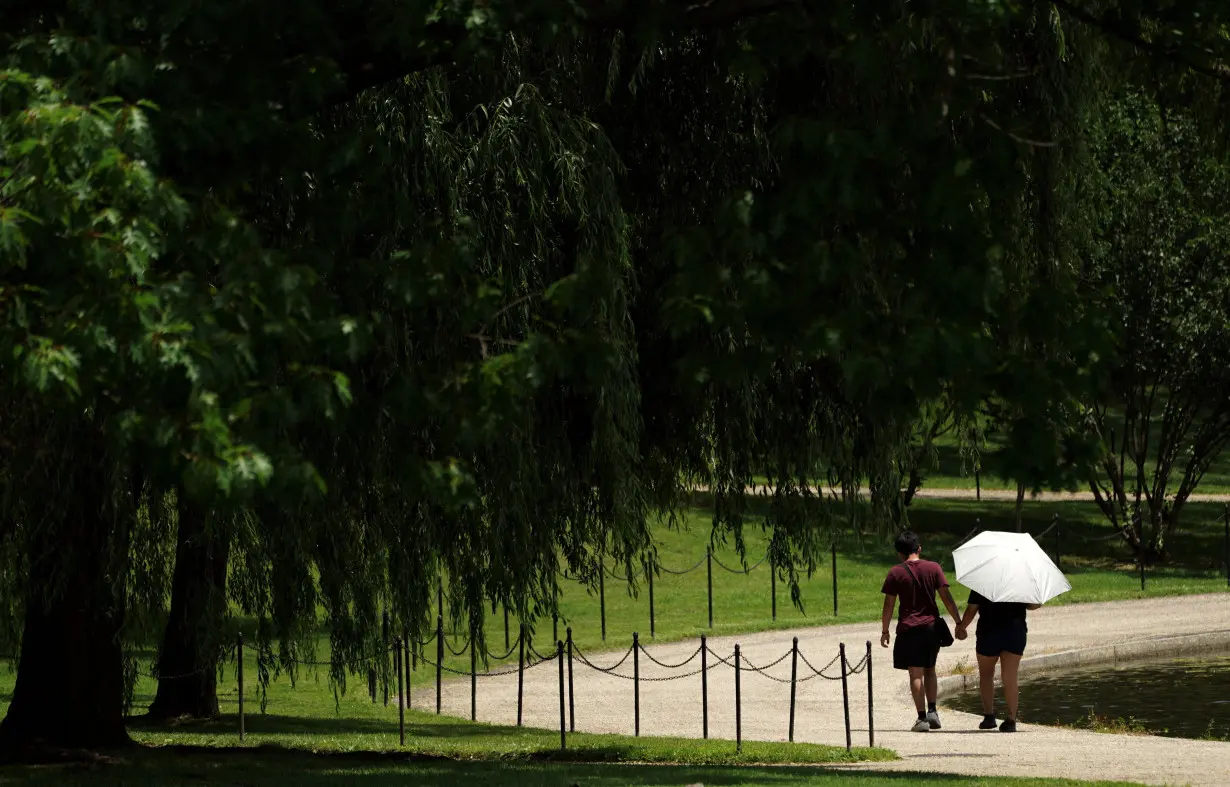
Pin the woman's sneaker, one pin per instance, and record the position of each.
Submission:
(988, 722)
(1009, 725)
(933, 718)
(922, 725)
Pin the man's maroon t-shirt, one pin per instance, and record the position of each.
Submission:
(917, 605)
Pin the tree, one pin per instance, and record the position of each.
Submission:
(1161, 270)
(202, 285)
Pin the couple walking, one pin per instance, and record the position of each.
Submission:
(921, 632)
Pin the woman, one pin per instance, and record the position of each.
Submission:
(1000, 637)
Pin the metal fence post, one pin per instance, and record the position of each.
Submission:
(473, 679)
(871, 716)
(520, 672)
(845, 692)
(401, 694)
(407, 659)
(1058, 553)
(384, 657)
(738, 703)
(773, 587)
(563, 734)
(439, 657)
(636, 681)
(794, 681)
(602, 594)
(506, 640)
(834, 558)
(704, 687)
(239, 669)
(649, 574)
(572, 706)
(709, 577)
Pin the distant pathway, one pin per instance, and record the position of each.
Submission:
(991, 494)
(604, 703)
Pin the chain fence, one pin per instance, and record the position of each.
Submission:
(569, 656)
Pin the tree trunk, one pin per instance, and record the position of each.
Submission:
(70, 687)
(191, 645)
(911, 489)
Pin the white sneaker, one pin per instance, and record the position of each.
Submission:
(922, 725)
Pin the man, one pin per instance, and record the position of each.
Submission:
(916, 581)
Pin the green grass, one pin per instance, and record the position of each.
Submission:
(307, 717)
(1098, 570)
(318, 736)
(951, 471)
(255, 769)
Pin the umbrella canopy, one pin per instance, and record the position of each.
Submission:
(1009, 567)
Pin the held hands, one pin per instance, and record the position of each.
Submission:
(961, 632)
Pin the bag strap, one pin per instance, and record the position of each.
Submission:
(915, 576)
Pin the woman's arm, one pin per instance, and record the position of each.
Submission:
(1032, 607)
(971, 610)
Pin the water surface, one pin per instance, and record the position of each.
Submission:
(1182, 698)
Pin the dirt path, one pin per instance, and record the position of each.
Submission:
(604, 703)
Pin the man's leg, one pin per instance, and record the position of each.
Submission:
(931, 685)
(917, 688)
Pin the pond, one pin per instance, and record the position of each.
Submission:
(1181, 698)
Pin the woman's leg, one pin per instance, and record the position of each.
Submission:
(986, 681)
(1009, 667)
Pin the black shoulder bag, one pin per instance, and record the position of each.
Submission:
(943, 634)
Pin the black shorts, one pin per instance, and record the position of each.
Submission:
(1001, 639)
(916, 647)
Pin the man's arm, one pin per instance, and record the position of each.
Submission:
(950, 605)
(886, 618)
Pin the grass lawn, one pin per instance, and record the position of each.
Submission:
(951, 471)
(317, 735)
(1098, 570)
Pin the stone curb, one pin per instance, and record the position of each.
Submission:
(1160, 647)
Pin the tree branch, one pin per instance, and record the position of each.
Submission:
(365, 66)
(1130, 36)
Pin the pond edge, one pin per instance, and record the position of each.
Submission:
(1210, 642)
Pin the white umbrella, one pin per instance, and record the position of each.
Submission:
(1008, 567)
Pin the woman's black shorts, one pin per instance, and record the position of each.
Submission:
(1001, 639)
(916, 647)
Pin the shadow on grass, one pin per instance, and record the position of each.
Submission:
(274, 724)
(271, 765)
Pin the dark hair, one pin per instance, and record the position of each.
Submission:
(907, 542)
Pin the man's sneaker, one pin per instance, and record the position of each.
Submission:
(922, 725)
(933, 718)
(1009, 725)
(988, 722)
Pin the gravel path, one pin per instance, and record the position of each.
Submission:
(604, 703)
